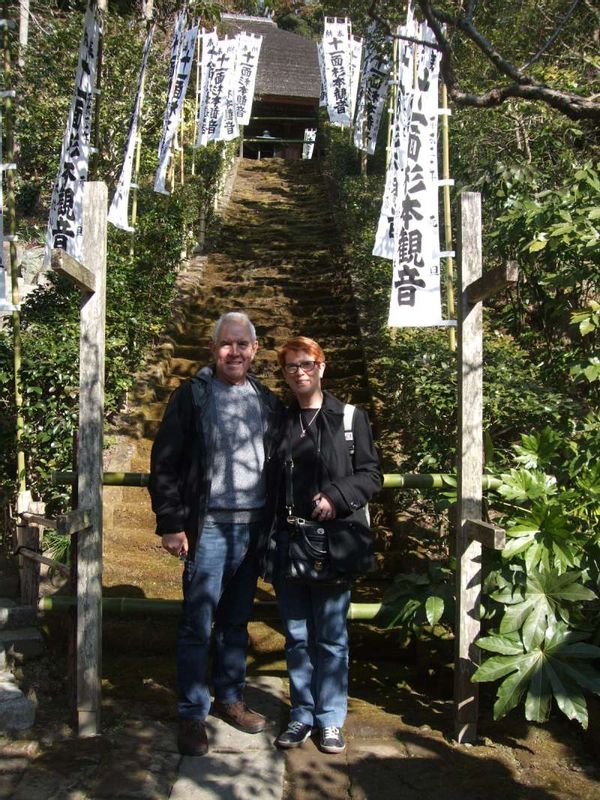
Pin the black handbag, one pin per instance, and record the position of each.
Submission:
(332, 552)
(308, 557)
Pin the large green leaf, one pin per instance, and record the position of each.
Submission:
(558, 666)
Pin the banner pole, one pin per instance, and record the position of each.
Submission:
(448, 220)
(138, 145)
(12, 235)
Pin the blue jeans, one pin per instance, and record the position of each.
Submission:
(218, 587)
(316, 646)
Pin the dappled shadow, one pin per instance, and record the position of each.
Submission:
(424, 766)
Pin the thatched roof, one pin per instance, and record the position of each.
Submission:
(288, 65)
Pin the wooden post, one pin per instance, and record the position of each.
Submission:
(89, 485)
(470, 464)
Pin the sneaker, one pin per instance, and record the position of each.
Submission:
(239, 716)
(191, 737)
(331, 740)
(294, 735)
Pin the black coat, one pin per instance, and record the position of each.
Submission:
(182, 456)
(349, 481)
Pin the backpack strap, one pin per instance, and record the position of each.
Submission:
(349, 410)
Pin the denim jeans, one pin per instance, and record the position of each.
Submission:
(316, 646)
(218, 587)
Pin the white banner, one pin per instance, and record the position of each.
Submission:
(395, 178)
(209, 51)
(173, 61)
(118, 212)
(356, 48)
(65, 224)
(416, 298)
(310, 136)
(246, 67)
(219, 122)
(372, 93)
(4, 304)
(323, 95)
(336, 57)
(179, 88)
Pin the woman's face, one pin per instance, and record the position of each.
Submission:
(306, 379)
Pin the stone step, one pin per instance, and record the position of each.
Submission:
(14, 616)
(23, 642)
(17, 712)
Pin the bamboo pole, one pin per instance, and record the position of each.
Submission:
(448, 221)
(424, 480)
(262, 609)
(392, 102)
(12, 233)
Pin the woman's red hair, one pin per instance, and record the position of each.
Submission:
(301, 344)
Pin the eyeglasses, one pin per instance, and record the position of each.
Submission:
(305, 366)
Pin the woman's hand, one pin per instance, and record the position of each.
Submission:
(176, 544)
(323, 507)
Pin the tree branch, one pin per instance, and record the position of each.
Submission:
(572, 105)
(551, 39)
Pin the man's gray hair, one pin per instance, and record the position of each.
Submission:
(233, 316)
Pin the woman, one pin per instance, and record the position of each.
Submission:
(328, 481)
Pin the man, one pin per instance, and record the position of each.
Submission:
(210, 487)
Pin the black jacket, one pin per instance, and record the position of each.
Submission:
(182, 456)
(349, 481)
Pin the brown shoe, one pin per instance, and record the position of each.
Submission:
(191, 737)
(240, 716)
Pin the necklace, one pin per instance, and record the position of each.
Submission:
(312, 419)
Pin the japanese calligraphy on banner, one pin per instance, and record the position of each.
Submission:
(310, 136)
(118, 212)
(65, 224)
(372, 92)
(181, 77)
(395, 177)
(217, 119)
(174, 58)
(209, 49)
(337, 63)
(415, 297)
(248, 51)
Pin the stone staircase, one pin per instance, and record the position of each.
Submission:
(278, 261)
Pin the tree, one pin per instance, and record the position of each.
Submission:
(511, 33)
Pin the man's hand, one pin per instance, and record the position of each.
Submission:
(323, 507)
(176, 544)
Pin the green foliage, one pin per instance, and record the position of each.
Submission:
(415, 601)
(554, 662)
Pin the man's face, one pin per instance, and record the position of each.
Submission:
(233, 352)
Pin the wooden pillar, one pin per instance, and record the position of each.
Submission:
(89, 484)
(470, 465)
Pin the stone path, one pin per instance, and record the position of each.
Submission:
(389, 756)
